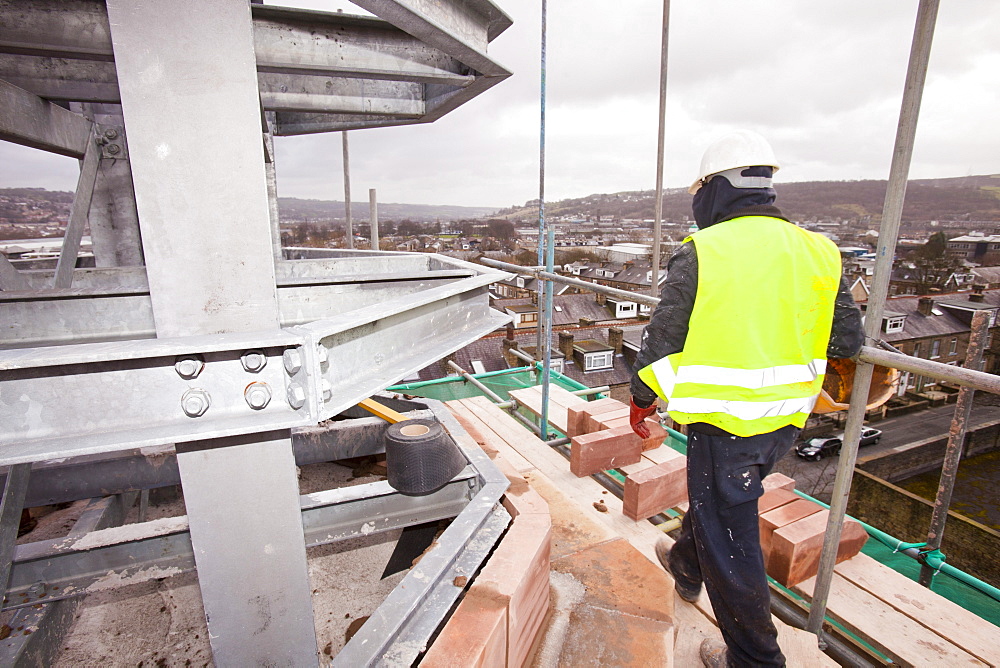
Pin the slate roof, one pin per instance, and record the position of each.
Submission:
(570, 308)
(489, 351)
(942, 321)
(988, 275)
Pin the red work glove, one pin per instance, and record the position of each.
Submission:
(637, 418)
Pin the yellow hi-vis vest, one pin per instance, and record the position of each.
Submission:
(755, 353)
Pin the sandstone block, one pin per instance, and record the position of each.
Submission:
(603, 450)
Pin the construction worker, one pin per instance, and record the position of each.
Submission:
(751, 308)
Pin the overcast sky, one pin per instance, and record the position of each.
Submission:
(823, 81)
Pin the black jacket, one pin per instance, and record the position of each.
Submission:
(668, 326)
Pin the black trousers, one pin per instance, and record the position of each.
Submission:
(720, 539)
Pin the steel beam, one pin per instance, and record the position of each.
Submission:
(28, 120)
(78, 215)
(37, 632)
(161, 548)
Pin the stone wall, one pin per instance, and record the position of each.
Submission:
(968, 545)
(926, 455)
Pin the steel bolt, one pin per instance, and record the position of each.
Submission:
(111, 133)
(254, 360)
(327, 390)
(296, 396)
(322, 354)
(114, 149)
(189, 367)
(293, 361)
(195, 402)
(258, 395)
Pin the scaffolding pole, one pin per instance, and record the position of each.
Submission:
(546, 241)
(953, 452)
(888, 232)
(654, 277)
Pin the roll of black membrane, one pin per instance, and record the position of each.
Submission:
(420, 457)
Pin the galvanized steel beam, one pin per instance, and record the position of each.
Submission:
(28, 120)
(103, 560)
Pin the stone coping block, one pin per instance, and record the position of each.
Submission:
(603, 450)
(796, 547)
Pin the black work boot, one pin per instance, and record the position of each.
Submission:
(714, 653)
(687, 587)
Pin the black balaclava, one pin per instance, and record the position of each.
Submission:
(719, 198)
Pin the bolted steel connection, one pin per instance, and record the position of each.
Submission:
(254, 360)
(296, 396)
(195, 401)
(189, 367)
(292, 359)
(258, 395)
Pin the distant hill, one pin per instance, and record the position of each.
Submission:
(293, 209)
(961, 198)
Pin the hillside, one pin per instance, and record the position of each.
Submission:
(293, 209)
(961, 198)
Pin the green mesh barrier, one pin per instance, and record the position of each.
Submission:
(501, 382)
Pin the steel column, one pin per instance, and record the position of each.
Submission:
(888, 232)
(373, 218)
(201, 193)
(10, 513)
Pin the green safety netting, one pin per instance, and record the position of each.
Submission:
(501, 382)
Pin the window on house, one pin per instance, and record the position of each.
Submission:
(594, 361)
(894, 324)
(917, 347)
(556, 365)
(953, 346)
(935, 349)
(529, 317)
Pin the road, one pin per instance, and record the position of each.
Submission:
(817, 478)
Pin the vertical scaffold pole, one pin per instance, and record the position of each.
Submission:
(347, 192)
(546, 250)
(660, 141)
(888, 232)
(956, 442)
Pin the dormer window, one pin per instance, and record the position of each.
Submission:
(894, 324)
(601, 360)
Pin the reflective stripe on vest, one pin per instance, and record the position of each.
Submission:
(755, 352)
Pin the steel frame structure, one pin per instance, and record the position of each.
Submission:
(194, 331)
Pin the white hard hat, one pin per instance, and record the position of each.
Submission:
(736, 151)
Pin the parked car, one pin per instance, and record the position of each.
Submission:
(819, 447)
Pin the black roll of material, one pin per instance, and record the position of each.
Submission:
(420, 457)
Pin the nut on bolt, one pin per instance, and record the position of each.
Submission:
(293, 361)
(296, 396)
(327, 390)
(189, 367)
(258, 395)
(111, 133)
(195, 402)
(254, 360)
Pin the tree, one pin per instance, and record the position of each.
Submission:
(499, 228)
(931, 263)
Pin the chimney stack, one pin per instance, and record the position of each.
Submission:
(509, 358)
(977, 293)
(566, 345)
(615, 338)
(924, 305)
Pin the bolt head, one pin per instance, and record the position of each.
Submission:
(327, 390)
(292, 359)
(111, 133)
(254, 360)
(322, 354)
(189, 367)
(258, 395)
(296, 396)
(114, 149)
(195, 401)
